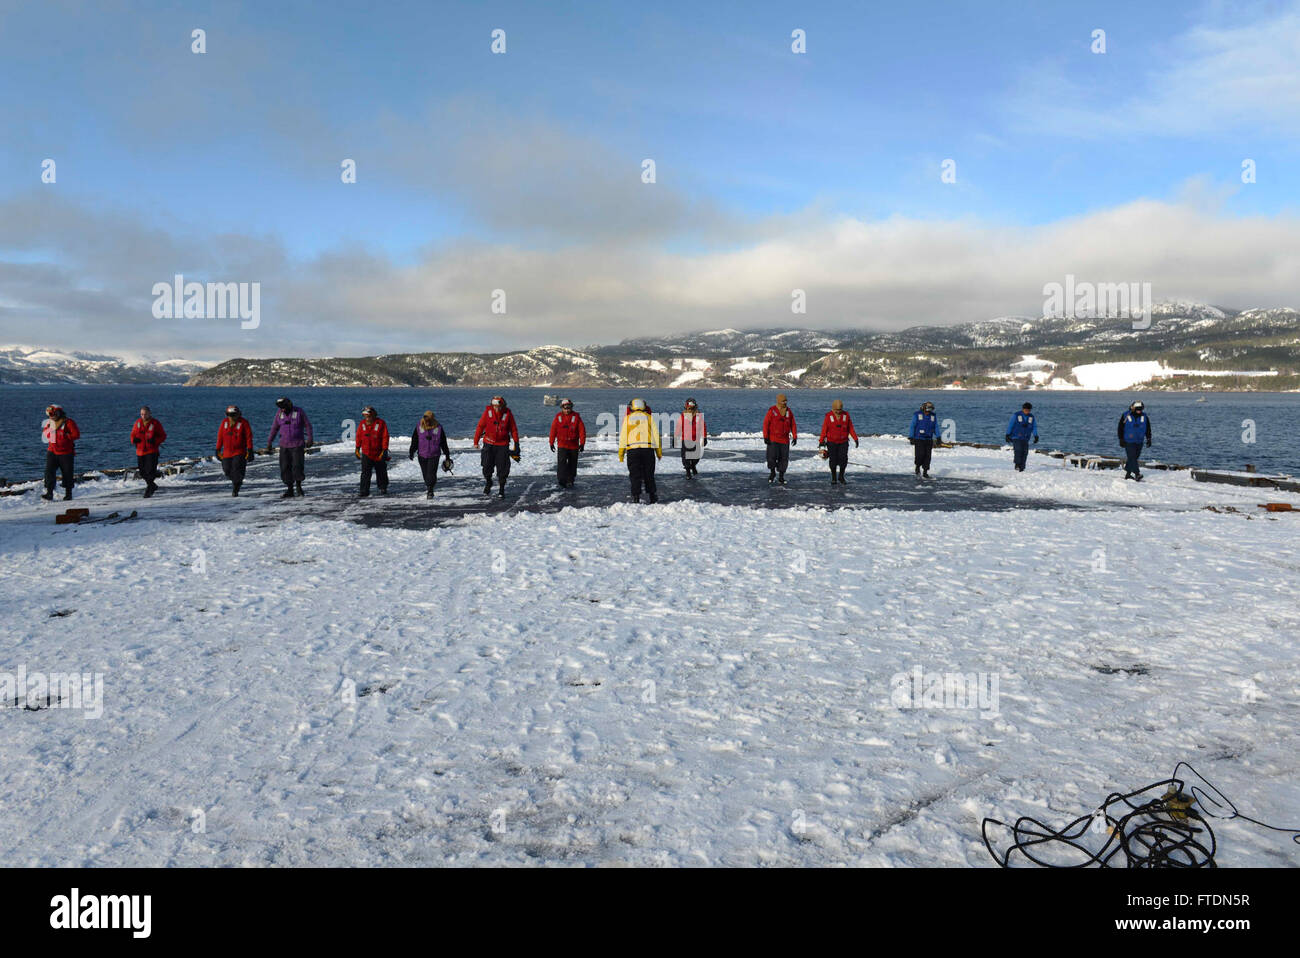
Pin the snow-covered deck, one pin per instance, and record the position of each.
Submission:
(689, 683)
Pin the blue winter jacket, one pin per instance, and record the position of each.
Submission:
(924, 426)
(1134, 427)
(1023, 425)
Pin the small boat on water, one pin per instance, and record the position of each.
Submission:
(549, 400)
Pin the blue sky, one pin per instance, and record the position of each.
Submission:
(521, 171)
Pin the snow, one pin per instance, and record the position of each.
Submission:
(745, 364)
(689, 683)
(1117, 375)
(689, 376)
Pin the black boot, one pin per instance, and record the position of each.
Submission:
(49, 495)
(234, 491)
(288, 493)
(428, 494)
(501, 490)
(771, 476)
(68, 493)
(487, 487)
(298, 486)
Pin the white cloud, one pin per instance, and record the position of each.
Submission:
(1210, 80)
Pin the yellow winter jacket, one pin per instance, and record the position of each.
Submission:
(640, 431)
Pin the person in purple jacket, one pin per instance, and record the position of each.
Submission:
(294, 429)
(427, 441)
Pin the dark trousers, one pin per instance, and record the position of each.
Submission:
(380, 469)
(924, 447)
(839, 456)
(691, 457)
(641, 471)
(778, 457)
(291, 460)
(495, 458)
(234, 467)
(566, 465)
(429, 469)
(148, 466)
(1021, 447)
(60, 463)
(1134, 449)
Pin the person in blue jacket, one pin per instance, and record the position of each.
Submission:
(1134, 429)
(922, 435)
(1022, 427)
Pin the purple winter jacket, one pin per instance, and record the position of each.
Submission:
(293, 427)
(428, 442)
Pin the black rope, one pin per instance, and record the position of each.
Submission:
(1156, 826)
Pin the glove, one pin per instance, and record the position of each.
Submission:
(794, 442)
(411, 454)
(582, 447)
(1148, 443)
(658, 454)
(358, 452)
(250, 455)
(218, 453)
(1035, 440)
(706, 440)
(821, 445)
(476, 444)
(855, 444)
(446, 464)
(620, 455)
(912, 442)
(1007, 437)
(385, 455)
(552, 447)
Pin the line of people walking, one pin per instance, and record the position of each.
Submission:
(640, 445)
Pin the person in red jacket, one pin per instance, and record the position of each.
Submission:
(569, 432)
(372, 450)
(837, 428)
(496, 427)
(693, 435)
(147, 435)
(60, 434)
(234, 446)
(780, 433)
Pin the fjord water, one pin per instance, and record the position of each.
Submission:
(1210, 433)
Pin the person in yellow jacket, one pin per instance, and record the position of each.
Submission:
(639, 442)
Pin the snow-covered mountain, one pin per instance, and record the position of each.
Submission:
(25, 364)
(1193, 345)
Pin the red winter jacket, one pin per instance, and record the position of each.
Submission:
(496, 429)
(778, 428)
(691, 428)
(837, 427)
(236, 440)
(62, 440)
(372, 438)
(568, 432)
(148, 436)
